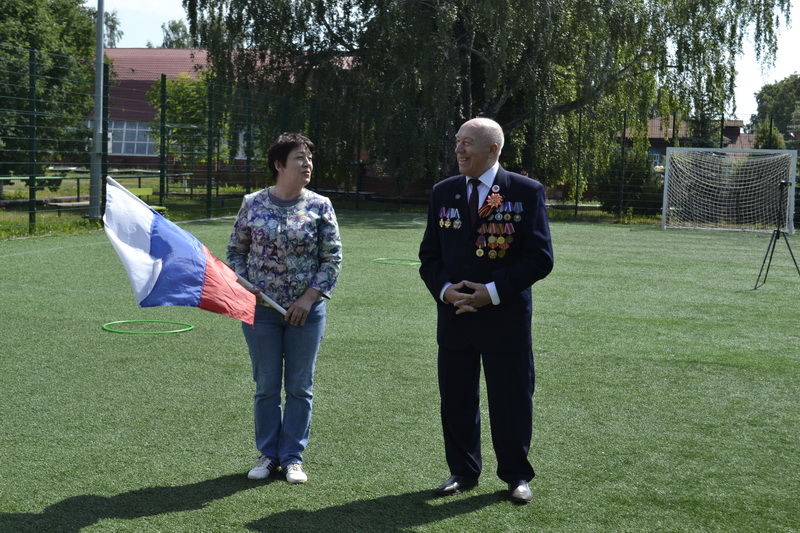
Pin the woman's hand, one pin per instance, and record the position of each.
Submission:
(298, 312)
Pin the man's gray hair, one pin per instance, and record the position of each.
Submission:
(490, 131)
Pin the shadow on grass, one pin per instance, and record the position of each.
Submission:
(75, 513)
(388, 514)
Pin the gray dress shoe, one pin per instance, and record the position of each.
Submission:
(455, 485)
(520, 492)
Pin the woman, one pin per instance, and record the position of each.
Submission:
(286, 243)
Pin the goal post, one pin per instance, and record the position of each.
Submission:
(729, 189)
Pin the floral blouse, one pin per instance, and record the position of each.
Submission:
(284, 248)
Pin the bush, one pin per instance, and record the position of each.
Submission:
(642, 187)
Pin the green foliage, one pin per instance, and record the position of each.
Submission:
(113, 33)
(187, 118)
(777, 102)
(398, 78)
(641, 188)
(176, 35)
(768, 138)
(60, 34)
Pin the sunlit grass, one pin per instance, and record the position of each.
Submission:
(666, 394)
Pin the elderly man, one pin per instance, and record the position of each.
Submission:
(486, 242)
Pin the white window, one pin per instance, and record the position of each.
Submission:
(654, 157)
(130, 138)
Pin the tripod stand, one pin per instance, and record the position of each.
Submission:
(776, 235)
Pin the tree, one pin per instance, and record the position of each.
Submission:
(112, 28)
(768, 137)
(777, 101)
(176, 35)
(58, 35)
(409, 72)
(187, 110)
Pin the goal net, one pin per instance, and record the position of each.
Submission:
(717, 188)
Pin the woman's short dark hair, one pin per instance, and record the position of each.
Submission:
(285, 143)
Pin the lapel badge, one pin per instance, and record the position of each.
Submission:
(495, 187)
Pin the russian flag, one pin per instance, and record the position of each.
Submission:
(167, 265)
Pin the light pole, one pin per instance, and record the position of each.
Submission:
(95, 187)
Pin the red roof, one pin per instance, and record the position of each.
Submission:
(150, 63)
(658, 128)
(744, 141)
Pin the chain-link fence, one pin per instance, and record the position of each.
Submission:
(183, 145)
(192, 148)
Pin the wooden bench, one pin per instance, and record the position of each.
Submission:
(141, 192)
(145, 192)
(68, 205)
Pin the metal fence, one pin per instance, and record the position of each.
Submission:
(193, 148)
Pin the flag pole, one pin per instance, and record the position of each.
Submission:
(250, 287)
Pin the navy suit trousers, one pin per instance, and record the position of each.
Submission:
(510, 381)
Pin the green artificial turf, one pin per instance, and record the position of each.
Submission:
(666, 394)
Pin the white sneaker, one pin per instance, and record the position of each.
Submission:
(295, 474)
(262, 470)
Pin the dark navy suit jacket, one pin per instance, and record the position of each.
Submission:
(448, 254)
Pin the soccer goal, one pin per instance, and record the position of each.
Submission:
(729, 189)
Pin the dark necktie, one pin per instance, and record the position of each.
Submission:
(473, 200)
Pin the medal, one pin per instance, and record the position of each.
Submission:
(517, 211)
(479, 252)
(492, 254)
(493, 201)
(456, 217)
(501, 254)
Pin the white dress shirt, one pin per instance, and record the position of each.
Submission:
(487, 180)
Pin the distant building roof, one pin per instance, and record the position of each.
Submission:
(661, 128)
(743, 142)
(150, 63)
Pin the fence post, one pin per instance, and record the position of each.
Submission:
(578, 162)
(104, 155)
(210, 147)
(162, 153)
(622, 161)
(33, 146)
(248, 148)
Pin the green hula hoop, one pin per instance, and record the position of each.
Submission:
(186, 327)
(396, 261)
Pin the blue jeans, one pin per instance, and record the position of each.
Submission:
(283, 354)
